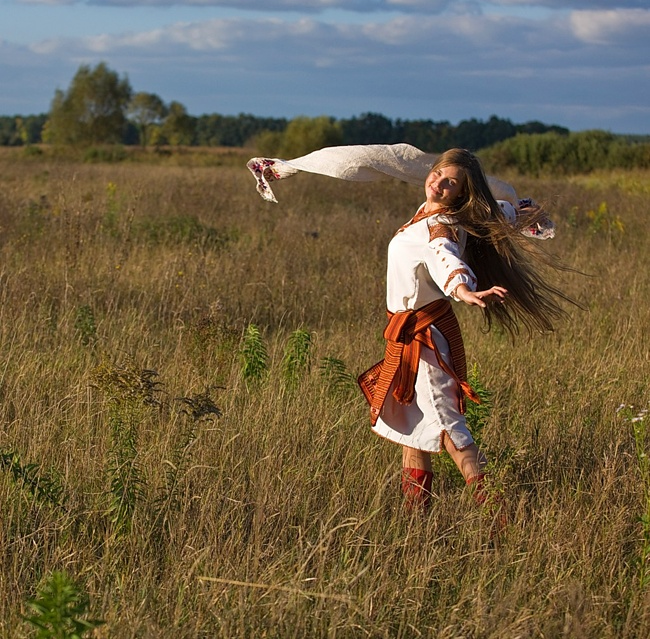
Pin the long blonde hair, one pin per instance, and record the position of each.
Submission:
(500, 256)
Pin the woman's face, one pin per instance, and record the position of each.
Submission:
(444, 186)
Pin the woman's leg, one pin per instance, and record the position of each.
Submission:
(470, 461)
(416, 478)
(414, 458)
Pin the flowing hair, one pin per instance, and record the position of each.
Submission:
(500, 255)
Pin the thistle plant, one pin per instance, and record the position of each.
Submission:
(60, 609)
(196, 409)
(255, 358)
(477, 415)
(297, 357)
(175, 470)
(45, 487)
(85, 325)
(213, 342)
(130, 391)
(336, 377)
(200, 406)
(641, 434)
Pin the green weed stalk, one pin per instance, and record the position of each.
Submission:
(85, 325)
(130, 392)
(297, 357)
(60, 609)
(255, 357)
(196, 409)
(336, 377)
(45, 487)
(641, 435)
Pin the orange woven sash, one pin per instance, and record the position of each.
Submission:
(405, 334)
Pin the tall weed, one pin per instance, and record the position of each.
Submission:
(638, 421)
(131, 392)
(44, 486)
(254, 354)
(297, 357)
(60, 609)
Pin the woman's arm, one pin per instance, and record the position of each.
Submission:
(480, 298)
(444, 262)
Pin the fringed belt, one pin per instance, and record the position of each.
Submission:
(405, 334)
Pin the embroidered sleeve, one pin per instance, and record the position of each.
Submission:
(529, 217)
(540, 225)
(445, 264)
(444, 231)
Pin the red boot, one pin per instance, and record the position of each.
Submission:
(492, 501)
(416, 487)
(480, 494)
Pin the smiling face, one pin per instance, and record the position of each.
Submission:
(444, 186)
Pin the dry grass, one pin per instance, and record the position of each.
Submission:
(282, 517)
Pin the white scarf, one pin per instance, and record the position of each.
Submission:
(371, 162)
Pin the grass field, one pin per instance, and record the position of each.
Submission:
(185, 454)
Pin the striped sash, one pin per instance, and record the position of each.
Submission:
(405, 334)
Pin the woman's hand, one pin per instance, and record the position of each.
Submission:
(480, 298)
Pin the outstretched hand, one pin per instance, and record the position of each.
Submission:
(481, 298)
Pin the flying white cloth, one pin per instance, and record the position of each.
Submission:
(371, 162)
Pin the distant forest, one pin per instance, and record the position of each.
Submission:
(369, 128)
(100, 108)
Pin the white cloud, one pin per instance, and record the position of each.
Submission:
(52, 3)
(302, 6)
(470, 42)
(624, 26)
(571, 4)
(362, 6)
(291, 40)
(450, 66)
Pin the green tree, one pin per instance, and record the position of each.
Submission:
(178, 128)
(146, 111)
(368, 128)
(18, 130)
(268, 143)
(91, 111)
(425, 134)
(304, 135)
(230, 130)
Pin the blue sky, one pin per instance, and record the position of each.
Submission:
(582, 64)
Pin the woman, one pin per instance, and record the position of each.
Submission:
(459, 245)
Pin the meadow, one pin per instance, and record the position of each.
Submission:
(184, 451)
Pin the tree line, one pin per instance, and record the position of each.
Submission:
(100, 107)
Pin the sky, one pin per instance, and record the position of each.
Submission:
(581, 64)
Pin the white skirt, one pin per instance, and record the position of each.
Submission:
(434, 410)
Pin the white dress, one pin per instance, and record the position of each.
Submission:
(425, 264)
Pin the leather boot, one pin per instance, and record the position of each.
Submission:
(416, 487)
(492, 501)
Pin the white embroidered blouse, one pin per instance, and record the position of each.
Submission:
(425, 263)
